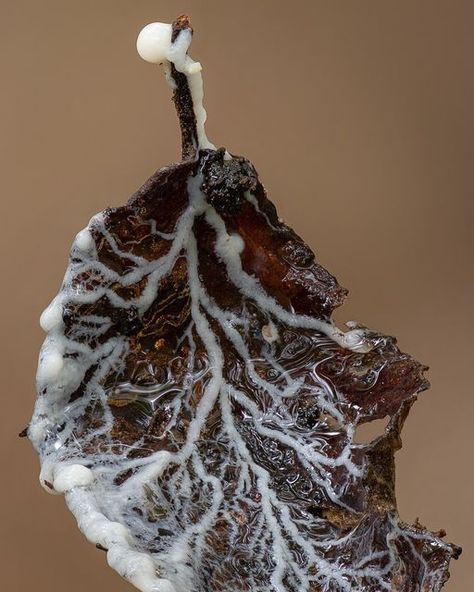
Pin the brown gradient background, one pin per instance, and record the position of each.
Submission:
(359, 118)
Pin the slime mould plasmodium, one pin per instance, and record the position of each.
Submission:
(196, 404)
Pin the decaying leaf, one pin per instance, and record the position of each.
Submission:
(198, 407)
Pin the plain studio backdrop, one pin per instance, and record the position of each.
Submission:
(359, 119)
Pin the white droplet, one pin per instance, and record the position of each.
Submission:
(84, 240)
(50, 366)
(154, 41)
(52, 316)
(69, 476)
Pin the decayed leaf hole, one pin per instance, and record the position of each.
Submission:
(370, 431)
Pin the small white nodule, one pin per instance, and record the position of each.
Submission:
(154, 42)
(356, 341)
(270, 332)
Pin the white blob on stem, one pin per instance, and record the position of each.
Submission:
(153, 42)
(154, 45)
